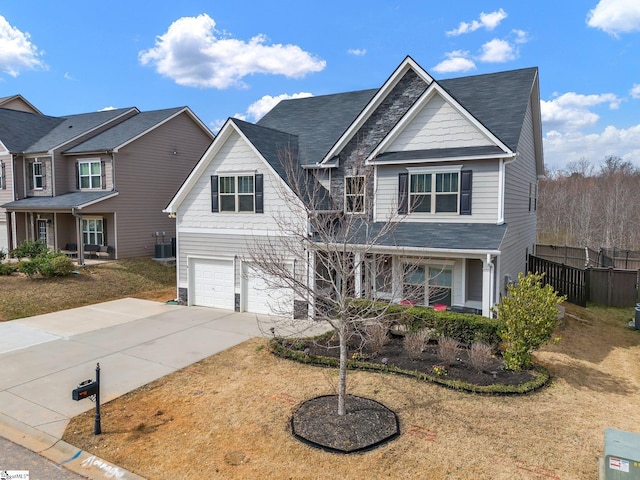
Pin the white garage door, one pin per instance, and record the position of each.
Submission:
(212, 283)
(260, 296)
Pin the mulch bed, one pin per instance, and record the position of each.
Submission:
(366, 424)
(393, 354)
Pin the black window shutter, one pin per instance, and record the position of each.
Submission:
(103, 172)
(214, 193)
(465, 192)
(104, 232)
(77, 175)
(403, 187)
(31, 176)
(259, 189)
(43, 171)
(3, 179)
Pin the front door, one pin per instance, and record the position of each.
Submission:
(42, 231)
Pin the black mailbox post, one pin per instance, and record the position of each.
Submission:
(88, 389)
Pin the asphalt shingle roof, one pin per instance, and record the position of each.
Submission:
(446, 236)
(19, 130)
(318, 122)
(65, 201)
(125, 131)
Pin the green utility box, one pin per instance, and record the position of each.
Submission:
(621, 455)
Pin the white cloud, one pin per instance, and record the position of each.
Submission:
(498, 51)
(457, 61)
(615, 16)
(259, 108)
(358, 52)
(193, 53)
(106, 109)
(562, 148)
(635, 91)
(16, 50)
(570, 111)
(488, 21)
(521, 36)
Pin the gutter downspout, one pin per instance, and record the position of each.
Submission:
(78, 236)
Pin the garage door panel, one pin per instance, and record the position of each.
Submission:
(262, 297)
(213, 283)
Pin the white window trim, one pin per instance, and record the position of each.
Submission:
(90, 176)
(101, 231)
(40, 176)
(363, 195)
(236, 194)
(434, 171)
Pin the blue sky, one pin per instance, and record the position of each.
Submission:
(227, 58)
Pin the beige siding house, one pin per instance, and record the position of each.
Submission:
(95, 184)
(455, 163)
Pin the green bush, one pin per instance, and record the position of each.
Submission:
(28, 267)
(29, 249)
(467, 328)
(530, 315)
(7, 268)
(47, 265)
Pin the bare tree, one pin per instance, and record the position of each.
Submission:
(326, 253)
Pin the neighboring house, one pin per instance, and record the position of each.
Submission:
(456, 160)
(94, 181)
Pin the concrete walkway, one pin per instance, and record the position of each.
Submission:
(43, 358)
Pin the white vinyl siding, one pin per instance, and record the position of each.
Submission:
(438, 125)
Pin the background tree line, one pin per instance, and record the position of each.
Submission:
(588, 206)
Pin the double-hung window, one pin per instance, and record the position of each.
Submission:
(354, 194)
(434, 192)
(90, 174)
(428, 284)
(237, 193)
(38, 176)
(93, 231)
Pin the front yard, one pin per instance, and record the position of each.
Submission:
(139, 277)
(228, 416)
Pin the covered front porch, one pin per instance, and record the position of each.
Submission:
(61, 224)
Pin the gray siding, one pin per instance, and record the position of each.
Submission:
(484, 196)
(521, 231)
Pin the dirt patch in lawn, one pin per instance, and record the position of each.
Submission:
(229, 416)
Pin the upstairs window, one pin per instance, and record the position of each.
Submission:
(90, 174)
(428, 191)
(423, 197)
(237, 194)
(38, 176)
(354, 194)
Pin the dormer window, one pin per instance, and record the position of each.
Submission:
(354, 194)
(90, 174)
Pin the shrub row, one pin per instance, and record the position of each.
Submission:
(467, 328)
(542, 376)
(47, 264)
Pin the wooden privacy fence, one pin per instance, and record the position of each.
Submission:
(604, 286)
(566, 280)
(583, 257)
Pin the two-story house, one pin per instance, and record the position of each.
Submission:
(94, 182)
(454, 162)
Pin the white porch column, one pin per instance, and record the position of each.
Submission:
(357, 258)
(487, 286)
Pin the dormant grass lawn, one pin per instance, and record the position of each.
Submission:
(227, 417)
(138, 277)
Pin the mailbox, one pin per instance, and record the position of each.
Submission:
(85, 389)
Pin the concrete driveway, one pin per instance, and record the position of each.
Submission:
(43, 358)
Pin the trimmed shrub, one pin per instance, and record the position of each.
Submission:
(62, 265)
(28, 267)
(47, 265)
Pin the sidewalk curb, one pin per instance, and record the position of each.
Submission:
(60, 452)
